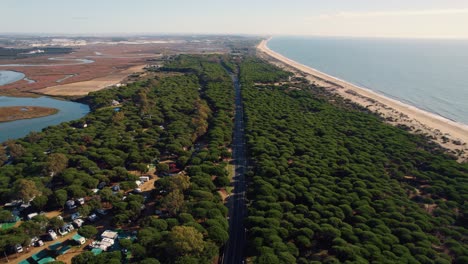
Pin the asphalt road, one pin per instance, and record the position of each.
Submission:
(234, 249)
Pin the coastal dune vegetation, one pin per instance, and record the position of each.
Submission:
(332, 183)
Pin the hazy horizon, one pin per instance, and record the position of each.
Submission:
(359, 18)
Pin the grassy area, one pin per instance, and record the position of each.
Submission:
(12, 113)
(5, 226)
(230, 169)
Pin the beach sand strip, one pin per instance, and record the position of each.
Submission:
(450, 135)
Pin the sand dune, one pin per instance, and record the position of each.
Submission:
(447, 133)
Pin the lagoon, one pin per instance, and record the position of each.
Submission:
(7, 77)
(16, 129)
(68, 62)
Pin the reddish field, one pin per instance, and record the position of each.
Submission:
(45, 76)
(110, 60)
(85, 87)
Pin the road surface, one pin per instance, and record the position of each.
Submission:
(234, 249)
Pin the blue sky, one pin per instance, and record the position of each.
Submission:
(396, 18)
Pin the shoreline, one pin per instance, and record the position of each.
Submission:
(14, 80)
(448, 133)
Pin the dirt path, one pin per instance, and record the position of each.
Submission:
(17, 258)
(67, 257)
(149, 185)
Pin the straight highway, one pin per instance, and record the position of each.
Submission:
(235, 247)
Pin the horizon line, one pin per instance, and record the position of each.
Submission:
(136, 34)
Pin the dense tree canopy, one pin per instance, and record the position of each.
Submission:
(332, 185)
(178, 123)
(329, 182)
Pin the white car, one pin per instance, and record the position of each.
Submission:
(33, 241)
(80, 201)
(52, 234)
(78, 222)
(18, 248)
(92, 217)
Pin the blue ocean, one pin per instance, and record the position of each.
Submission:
(429, 74)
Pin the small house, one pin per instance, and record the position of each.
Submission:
(109, 234)
(173, 168)
(144, 178)
(108, 241)
(65, 229)
(32, 215)
(62, 231)
(13, 203)
(78, 222)
(24, 206)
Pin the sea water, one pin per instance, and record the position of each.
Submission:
(429, 74)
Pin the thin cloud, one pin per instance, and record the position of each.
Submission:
(430, 12)
(80, 18)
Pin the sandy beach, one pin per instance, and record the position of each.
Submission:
(449, 134)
